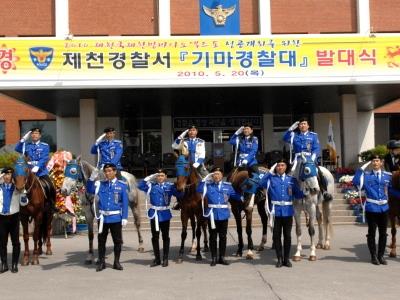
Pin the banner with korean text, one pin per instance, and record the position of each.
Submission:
(222, 59)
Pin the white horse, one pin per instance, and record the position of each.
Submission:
(85, 169)
(314, 205)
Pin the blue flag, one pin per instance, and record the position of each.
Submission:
(219, 17)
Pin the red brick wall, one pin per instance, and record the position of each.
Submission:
(12, 111)
(27, 18)
(314, 16)
(385, 15)
(185, 18)
(117, 17)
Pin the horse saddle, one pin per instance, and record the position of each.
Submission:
(251, 185)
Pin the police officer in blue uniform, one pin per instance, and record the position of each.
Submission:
(38, 155)
(377, 185)
(196, 148)
(10, 201)
(282, 189)
(305, 141)
(160, 192)
(109, 150)
(111, 209)
(247, 147)
(217, 194)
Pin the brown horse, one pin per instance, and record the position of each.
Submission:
(187, 180)
(238, 177)
(38, 209)
(394, 212)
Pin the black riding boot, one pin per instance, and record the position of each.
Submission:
(102, 262)
(286, 253)
(372, 249)
(213, 247)
(381, 248)
(117, 255)
(278, 251)
(4, 265)
(15, 258)
(165, 252)
(222, 250)
(156, 250)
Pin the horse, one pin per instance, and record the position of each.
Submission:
(187, 180)
(79, 171)
(394, 212)
(240, 179)
(38, 209)
(314, 205)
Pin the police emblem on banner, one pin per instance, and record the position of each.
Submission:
(219, 17)
(41, 56)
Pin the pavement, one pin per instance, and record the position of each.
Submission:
(344, 272)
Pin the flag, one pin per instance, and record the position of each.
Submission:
(219, 17)
(331, 143)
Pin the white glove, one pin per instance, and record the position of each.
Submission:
(244, 162)
(124, 222)
(100, 138)
(272, 170)
(196, 165)
(313, 156)
(239, 131)
(364, 166)
(183, 134)
(151, 177)
(294, 126)
(35, 169)
(26, 136)
(94, 175)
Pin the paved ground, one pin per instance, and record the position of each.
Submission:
(341, 273)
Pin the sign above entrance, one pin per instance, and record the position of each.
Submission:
(216, 122)
(197, 61)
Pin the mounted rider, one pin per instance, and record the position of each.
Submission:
(38, 155)
(246, 148)
(392, 158)
(305, 142)
(109, 150)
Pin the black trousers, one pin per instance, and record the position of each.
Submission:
(282, 224)
(116, 234)
(377, 220)
(221, 229)
(9, 225)
(164, 228)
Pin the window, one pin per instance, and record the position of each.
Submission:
(48, 128)
(2, 133)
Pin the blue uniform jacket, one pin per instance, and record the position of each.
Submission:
(304, 142)
(160, 195)
(110, 152)
(248, 148)
(219, 194)
(112, 196)
(376, 189)
(38, 154)
(282, 190)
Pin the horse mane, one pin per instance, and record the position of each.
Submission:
(236, 177)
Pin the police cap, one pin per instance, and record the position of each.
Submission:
(36, 129)
(216, 169)
(109, 165)
(248, 124)
(109, 129)
(7, 170)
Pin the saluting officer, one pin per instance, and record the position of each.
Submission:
(247, 147)
(196, 148)
(38, 155)
(10, 201)
(217, 193)
(160, 192)
(109, 150)
(111, 209)
(282, 189)
(377, 184)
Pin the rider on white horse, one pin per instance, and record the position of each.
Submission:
(307, 143)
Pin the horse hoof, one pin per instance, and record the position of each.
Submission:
(239, 254)
(206, 249)
(179, 261)
(319, 246)
(141, 249)
(40, 252)
(260, 248)
(198, 257)
(249, 256)
(25, 262)
(88, 262)
(296, 258)
(327, 247)
(49, 252)
(391, 254)
(312, 258)
(35, 262)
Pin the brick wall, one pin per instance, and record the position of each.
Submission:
(27, 18)
(12, 111)
(385, 15)
(314, 16)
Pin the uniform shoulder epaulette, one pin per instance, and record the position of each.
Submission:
(312, 132)
(121, 181)
(367, 172)
(200, 140)
(118, 141)
(228, 183)
(387, 173)
(43, 143)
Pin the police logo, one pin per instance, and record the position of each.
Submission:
(219, 14)
(41, 56)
